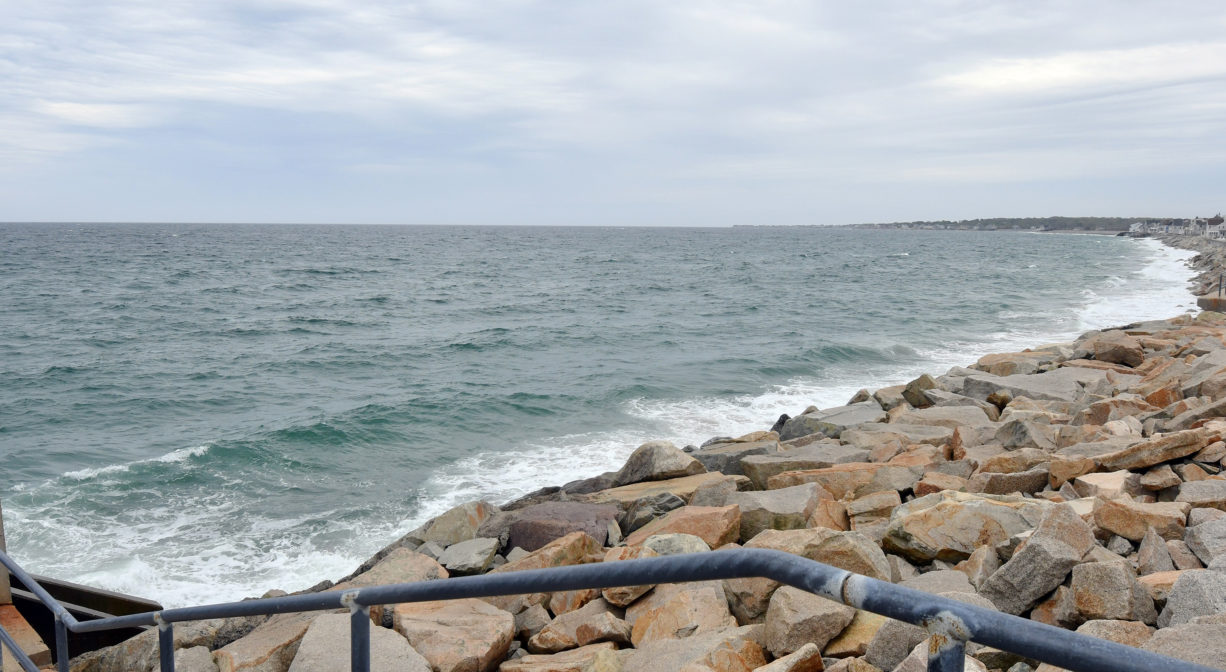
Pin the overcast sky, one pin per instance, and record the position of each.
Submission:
(622, 113)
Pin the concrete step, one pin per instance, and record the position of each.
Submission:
(27, 639)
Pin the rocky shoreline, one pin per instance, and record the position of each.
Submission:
(1078, 484)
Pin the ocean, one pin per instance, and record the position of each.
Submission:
(200, 413)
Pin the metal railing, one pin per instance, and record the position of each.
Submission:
(951, 624)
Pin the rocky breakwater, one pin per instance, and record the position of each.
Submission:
(1210, 265)
(1079, 485)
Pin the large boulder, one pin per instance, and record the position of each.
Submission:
(949, 417)
(458, 524)
(1196, 592)
(1109, 590)
(269, 648)
(466, 635)
(1065, 384)
(656, 461)
(596, 621)
(853, 479)
(951, 525)
(726, 650)
(796, 618)
(725, 456)
(759, 468)
(575, 548)
(1055, 547)
(1154, 451)
(470, 557)
(1132, 520)
(1207, 540)
(1117, 347)
(1204, 494)
(679, 610)
(715, 525)
(783, 509)
(535, 526)
(832, 421)
(1200, 643)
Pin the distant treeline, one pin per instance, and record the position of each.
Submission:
(1025, 223)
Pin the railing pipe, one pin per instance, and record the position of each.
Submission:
(166, 644)
(43, 596)
(359, 633)
(942, 616)
(23, 661)
(61, 645)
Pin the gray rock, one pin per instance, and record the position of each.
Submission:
(867, 437)
(1198, 516)
(1121, 546)
(759, 468)
(534, 526)
(530, 621)
(944, 416)
(1207, 540)
(1065, 384)
(1192, 416)
(940, 581)
(782, 509)
(796, 617)
(940, 397)
(913, 392)
(647, 509)
(1057, 545)
(1022, 433)
(713, 494)
(455, 525)
(1182, 556)
(656, 461)
(1197, 592)
(1203, 644)
(831, 422)
(1207, 494)
(325, 648)
(676, 544)
(1109, 590)
(469, 557)
(431, 549)
(195, 659)
(1152, 555)
(1030, 481)
(725, 456)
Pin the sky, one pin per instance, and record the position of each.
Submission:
(609, 113)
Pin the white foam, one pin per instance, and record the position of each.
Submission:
(173, 456)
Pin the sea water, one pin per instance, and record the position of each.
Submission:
(197, 413)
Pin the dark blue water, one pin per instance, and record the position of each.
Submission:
(201, 412)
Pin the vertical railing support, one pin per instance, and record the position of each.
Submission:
(947, 639)
(61, 644)
(359, 633)
(166, 643)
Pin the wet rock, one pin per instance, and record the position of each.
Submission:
(650, 508)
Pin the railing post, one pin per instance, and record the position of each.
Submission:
(166, 643)
(61, 644)
(359, 633)
(947, 637)
(6, 595)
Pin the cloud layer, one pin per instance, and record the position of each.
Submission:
(695, 113)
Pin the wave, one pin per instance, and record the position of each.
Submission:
(172, 457)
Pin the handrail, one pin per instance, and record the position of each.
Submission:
(951, 623)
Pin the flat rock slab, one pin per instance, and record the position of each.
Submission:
(1207, 540)
(325, 648)
(951, 525)
(269, 648)
(657, 461)
(465, 635)
(683, 487)
(759, 468)
(1206, 494)
(725, 456)
(715, 525)
(782, 509)
(832, 421)
(1203, 644)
